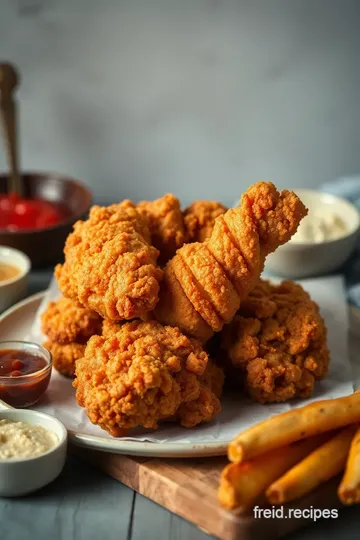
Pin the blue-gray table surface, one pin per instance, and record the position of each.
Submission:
(85, 504)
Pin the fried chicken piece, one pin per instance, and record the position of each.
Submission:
(109, 328)
(210, 279)
(199, 219)
(277, 342)
(110, 267)
(68, 326)
(140, 376)
(64, 357)
(66, 321)
(175, 306)
(207, 405)
(165, 223)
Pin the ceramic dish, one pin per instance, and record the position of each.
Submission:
(12, 290)
(299, 260)
(45, 246)
(25, 475)
(18, 320)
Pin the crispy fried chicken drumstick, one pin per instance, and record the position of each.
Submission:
(205, 282)
(110, 266)
(276, 344)
(142, 373)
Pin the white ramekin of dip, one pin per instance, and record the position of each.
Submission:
(33, 450)
(12, 284)
(326, 237)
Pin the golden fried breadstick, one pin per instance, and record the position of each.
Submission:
(349, 489)
(242, 483)
(322, 464)
(293, 425)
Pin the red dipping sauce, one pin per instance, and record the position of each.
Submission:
(24, 374)
(28, 214)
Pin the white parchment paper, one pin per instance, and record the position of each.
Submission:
(238, 412)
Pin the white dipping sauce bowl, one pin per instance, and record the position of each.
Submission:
(300, 260)
(25, 475)
(13, 290)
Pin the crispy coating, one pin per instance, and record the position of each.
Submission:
(64, 357)
(207, 405)
(277, 341)
(165, 223)
(212, 278)
(211, 282)
(109, 265)
(66, 321)
(140, 376)
(109, 328)
(199, 219)
(176, 309)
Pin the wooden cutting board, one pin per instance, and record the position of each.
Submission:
(188, 488)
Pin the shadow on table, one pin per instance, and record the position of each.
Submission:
(76, 478)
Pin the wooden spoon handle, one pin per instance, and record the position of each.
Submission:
(8, 82)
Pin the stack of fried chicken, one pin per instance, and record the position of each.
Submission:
(148, 290)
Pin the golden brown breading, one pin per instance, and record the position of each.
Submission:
(199, 219)
(109, 328)
(211, 278)
(165, 223)
(278, 342)
(64, 357)
(109, 265)
(175, 306)
(65, 321)
(139, 376)
(207, 405)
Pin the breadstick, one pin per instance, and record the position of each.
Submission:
(242, 483)
(294, 425)
(349, 489)
(322, 464)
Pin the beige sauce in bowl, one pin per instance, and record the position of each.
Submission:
(8, 271)
(20, 440)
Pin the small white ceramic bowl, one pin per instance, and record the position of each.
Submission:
(13, 290)
(300, 260)
(25, 475)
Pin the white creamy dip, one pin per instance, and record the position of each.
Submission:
(319, 226)
(20, 440)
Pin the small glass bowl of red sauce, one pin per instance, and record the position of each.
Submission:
(25, 371)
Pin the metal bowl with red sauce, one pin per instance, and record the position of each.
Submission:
(25, 371)
(39, 222)
(18, 213)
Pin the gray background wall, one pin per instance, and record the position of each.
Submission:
(198, 97)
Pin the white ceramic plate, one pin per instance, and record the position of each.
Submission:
(16, 322)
